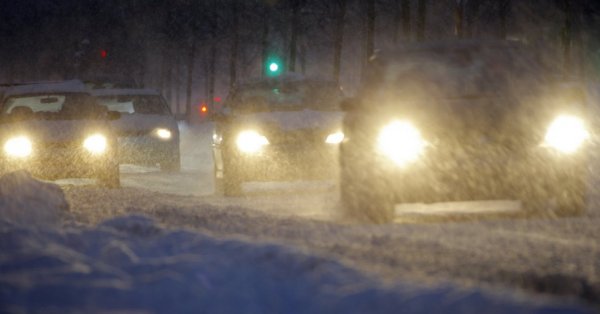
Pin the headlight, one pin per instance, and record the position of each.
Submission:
(401, 142)
(335, 138)
(95, 144)
(163, 133)
(251, 141)
(18, 147)
(566, 134)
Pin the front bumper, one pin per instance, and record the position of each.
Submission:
(60, 163)
(286, 162)
(146, 149)
(439, 178)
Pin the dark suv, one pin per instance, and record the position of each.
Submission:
(276, 129)
(467, 120)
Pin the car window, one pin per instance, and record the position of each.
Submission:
(51, 106)
(286, 96)
(135, 104)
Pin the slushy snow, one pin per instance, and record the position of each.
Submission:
(133, 264)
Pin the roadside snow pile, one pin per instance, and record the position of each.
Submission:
(131, 264)
(25, 200)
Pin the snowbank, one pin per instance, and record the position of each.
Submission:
(131, 264)
(25, 200)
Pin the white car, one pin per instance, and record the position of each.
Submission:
(57, 130)
(147, 130)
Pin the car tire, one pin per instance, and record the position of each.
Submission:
(229, 184)
(571, 196)
(562, 198)
(110, 178)
(171, 163)
(362, 198)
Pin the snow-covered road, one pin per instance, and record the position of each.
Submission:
(469, 265)
(555, 256)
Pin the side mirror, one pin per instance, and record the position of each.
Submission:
(350, 104)
(113, 115)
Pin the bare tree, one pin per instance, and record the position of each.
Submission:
(421, 19)
(504, 11)
(338, 40)
(234, 43)
(459, 17)
(370, 39)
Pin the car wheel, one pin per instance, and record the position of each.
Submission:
(110, 178)
(564, 197)
(229, 184)
(362, 198)
(571, 196)
(171, 163)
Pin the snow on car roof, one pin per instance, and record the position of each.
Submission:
(73, 86)
(287, 78)
(125, 91)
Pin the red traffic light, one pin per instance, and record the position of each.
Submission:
(103, 53)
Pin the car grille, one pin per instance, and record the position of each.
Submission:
(298, 137)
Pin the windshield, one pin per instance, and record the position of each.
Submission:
(52, 107)
(139, 104)
(462, 73)
(286, 96)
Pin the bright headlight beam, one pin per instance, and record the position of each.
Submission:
(95, 144)
(401, 142)
(566, 134)
(251, 141)
(19, 147)
(335, 138)
(163, 133)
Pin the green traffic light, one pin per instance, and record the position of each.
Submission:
(273, 66)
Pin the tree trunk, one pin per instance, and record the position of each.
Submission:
(370, 44)
(295, 21)
(190, 80)
(338, 41)
(406, 19)
(471, 12)
(177, 83)
(234, 44)
(567, 36)
(421, 19)
(459, 13)
(505, 8)
(264, 42)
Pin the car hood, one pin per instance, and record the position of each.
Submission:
(131, 124)
(293, 120)
(54, 131)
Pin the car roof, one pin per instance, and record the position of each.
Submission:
(73, 86)
(399, 52)
(285, 78)
(125, 92)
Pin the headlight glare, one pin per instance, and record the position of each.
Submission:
(566, 134)
(251, 141)
(95, 144)
(19, 147)
(401, 142)
(335, 138)
(164, 134)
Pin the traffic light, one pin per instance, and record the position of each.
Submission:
(273, 66)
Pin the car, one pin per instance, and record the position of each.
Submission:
(148, 132)
(280, 128)
(57, 130)
(463, 121)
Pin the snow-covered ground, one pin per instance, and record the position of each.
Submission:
(165, 243)
(132, 264)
